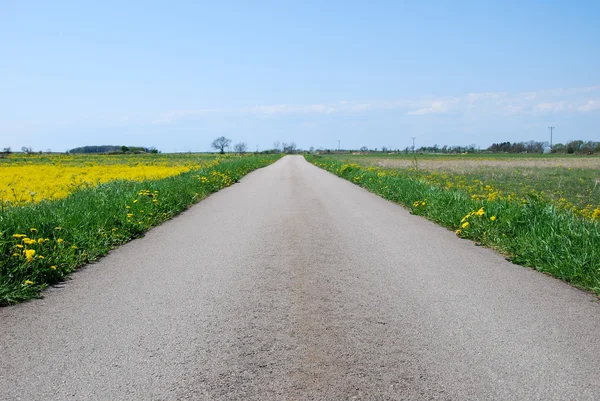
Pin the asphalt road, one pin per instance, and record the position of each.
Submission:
(294, 285)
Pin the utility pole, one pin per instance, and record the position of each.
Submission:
(413, 138)
(551, 129)
(338, 145)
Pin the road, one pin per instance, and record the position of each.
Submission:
(297, 285)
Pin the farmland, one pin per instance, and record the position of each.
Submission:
(60, 212)
(541, 212)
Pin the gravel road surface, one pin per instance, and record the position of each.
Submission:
(297, 285)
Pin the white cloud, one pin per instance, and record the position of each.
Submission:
(550, 107)
(435, 107)
(475, 104)
(590, 105)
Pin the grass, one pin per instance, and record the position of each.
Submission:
(42, 243)
(530, 230)
(570, 183)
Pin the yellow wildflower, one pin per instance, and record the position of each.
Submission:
(19, 236)
(40, 240)
(493, 218)
(29, 254)
(53, 267)
(60, 240)
(19, 246)
(28, 282)
(34, 230)
(73, 247)
(465, 224)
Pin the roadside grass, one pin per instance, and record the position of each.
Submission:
(41, 243)
(529, 231)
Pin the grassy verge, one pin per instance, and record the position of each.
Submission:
(531, 233)
(42, 243)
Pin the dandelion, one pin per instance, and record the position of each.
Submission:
(73, 247)
(41, 257)
(58, 228)
(129, 215)
(29, 253)
(17, 236)
(33, 230)
(19, 246)
(458, 232)
(493, 218)
(28, 282)
(135, 201)
(40, 241)
(60, 240)
(53, 267)
(465, 224)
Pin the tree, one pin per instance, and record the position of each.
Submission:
(289, 147)
(276, 145)
(364, 149)
(27, 149)
(220, 144)
(240, 147)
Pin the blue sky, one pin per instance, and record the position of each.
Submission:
(175, 75)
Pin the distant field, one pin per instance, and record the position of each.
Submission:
(571, 183)
(25, 179)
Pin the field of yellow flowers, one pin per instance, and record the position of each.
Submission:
(64, 211)
(530, 227)
(26, 179)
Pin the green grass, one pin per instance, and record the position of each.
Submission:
(531, 231)
(79, 229)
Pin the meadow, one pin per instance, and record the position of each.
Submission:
(541, 211)
(60, 212)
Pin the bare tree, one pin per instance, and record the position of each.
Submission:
(276, 145)
(240, 147)
(220, 144)
(27, 149)
(289, 147)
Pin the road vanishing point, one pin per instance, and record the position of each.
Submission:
(297, 285)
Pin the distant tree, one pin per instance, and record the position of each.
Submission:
(276, 145)
(384, 149)
(220, 144)
(312, 149)
(124, 149)
(289, 147)
(364, 149)
(240, 147)
(27, 149)
(153, 150)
